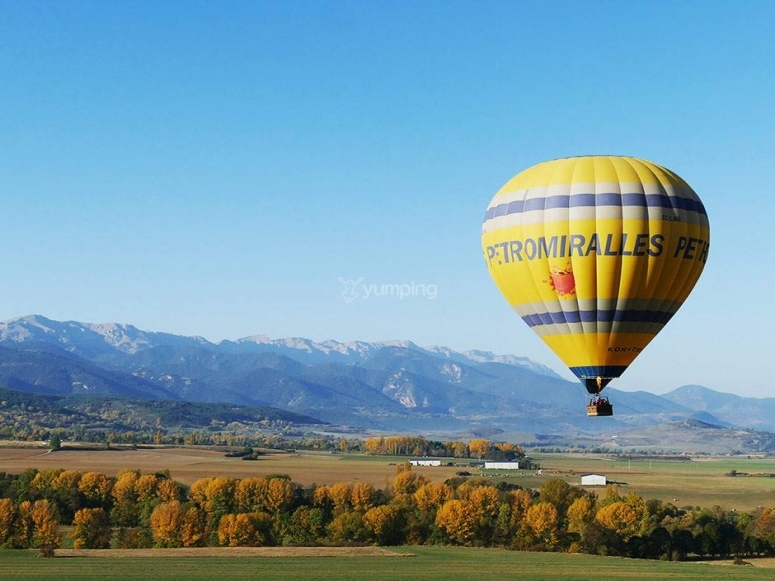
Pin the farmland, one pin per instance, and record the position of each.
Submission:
(701, 481)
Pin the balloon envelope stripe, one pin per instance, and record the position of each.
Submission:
(598, 316)
(598, 371)
(596, 201)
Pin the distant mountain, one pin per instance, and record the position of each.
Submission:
(747, 412)
(94, 341)
(390, 385)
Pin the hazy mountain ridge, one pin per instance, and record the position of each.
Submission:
(391, 385)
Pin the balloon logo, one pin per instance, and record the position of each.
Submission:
(596, 254)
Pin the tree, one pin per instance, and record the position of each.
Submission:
(245, 530)
(407, 482)
(125, 510)
(96, 489)
(459, 519)
(385, 524)
(166, 524)
(341, 497)
(45, 526)
(7, 517)
(580, 514)
(91, 529)
(620, 518)
(362, 496)
(194, 529)
(479, 447)
(347, 527)
(55, 442)
(559, 493)
(542, 520)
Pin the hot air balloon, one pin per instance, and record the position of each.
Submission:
(596, 254)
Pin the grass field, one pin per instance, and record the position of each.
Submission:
(699, 482)
(442, 563)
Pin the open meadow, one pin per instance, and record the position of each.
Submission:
(442, 563)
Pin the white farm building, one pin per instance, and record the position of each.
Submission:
(501, 465)
(593, 480)
(425, 462)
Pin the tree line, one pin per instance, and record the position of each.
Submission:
(140, 510)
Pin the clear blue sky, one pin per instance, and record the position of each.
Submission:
(213, 168)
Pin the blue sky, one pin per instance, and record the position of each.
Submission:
(213, 168)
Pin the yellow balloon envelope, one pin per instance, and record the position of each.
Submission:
(596, 254)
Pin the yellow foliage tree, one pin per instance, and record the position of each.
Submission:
(362, 496)
(542, 520)
(385, 524)
(168, 490)
(244, 530)
(620, 518)
(194, 528)
(7, 516)
(486, 498)
(459, 519)
(166, 524)
(125, 508)
(96, 487)
(280, 495)
(479, 447)
(580, 514)
(91, 529)
(146, 487)
(250, 494)
(45, 525)
(429, 497)
(407, 482)
(341, 497)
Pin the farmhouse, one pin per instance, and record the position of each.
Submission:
(416, 462)
(593, 480)
(501, 465)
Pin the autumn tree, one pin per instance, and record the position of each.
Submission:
(215, 496)
(91, 529)
(125, 511)
(541, 519)
(194, 527)
(96, 489)
(307, 524)
(23, 526)
(45, 532)
(560, 494)
(340, 495)
(347, 527)
(362, 496)
(7, 517)
(620, 518)
(408, 481)
(459, 519)
(244, 530)
(580, 513)
(385, 524)
(166, 524)
(479, 447)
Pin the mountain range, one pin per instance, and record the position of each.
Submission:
(393, 386)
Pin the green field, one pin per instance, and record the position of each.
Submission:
(443, 563)
(698, 482)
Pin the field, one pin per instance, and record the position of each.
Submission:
(427, 563)
(189, 464)
(698, 482)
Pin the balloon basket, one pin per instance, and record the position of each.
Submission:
(600, 408)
